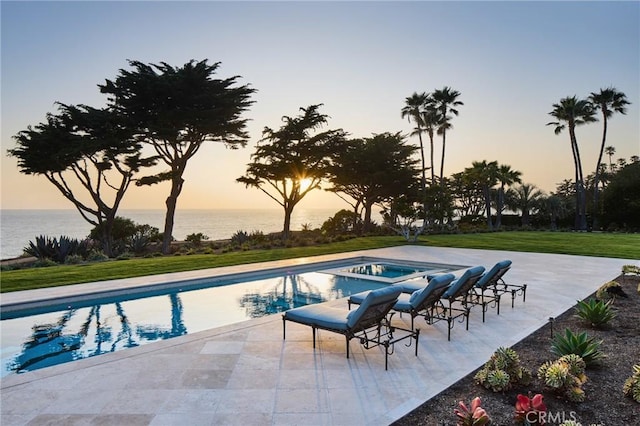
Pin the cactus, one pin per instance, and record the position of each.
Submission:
(502, 371)
(565, 376)
(632, 384)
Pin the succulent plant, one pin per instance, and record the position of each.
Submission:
(570, 423)
(632, 384)
(498, 380)
(609, 291)
(476, 416)
(580, 344)
(530, 410)
(502, 371)
(565, 376)
(595, 312)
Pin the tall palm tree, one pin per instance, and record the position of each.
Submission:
(506, 176)
(446, 101)
(610, 151)
(608, 101)
(413, 111)
(570, 113)
(430, 120)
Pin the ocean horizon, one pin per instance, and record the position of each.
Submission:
(18, 227)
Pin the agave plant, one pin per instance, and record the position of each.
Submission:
(476, 416)
(595, 312)
(580, 344)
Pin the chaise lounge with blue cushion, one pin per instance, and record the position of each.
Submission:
(459, 296)
(423, 302)
(493, 282)
(369, 322)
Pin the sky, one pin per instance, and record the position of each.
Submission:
(510, 61)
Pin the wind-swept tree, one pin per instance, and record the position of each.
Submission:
(447, 103)
(176, 110)
(372, 170)
(571, 112)
(290, 162)
(608, 101)
(89, 156)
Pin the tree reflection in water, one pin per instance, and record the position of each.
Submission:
(58, 342)
(289, 292)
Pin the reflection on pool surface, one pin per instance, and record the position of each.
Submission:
(386, 270)
(83, 329)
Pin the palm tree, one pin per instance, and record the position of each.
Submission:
(524, 198)
(610, 151)
(430, 120)
(506, 176)
(446, 102)
(413, 111)
(572, 112)
(608, 101)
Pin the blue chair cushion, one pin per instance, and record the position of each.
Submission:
(375, 297)
(319, 315)
(488, 276)
(457, 285)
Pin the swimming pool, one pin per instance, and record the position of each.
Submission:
(61, 331)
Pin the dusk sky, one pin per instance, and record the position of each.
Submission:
(511, 61)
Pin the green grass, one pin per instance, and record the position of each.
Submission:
(625, 246)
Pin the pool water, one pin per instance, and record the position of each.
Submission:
(71, 332)
(385, 270)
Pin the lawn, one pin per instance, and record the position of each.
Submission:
(625, 246)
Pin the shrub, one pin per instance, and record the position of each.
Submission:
(343, 222)
(631, 386)
(196, 239)
(579, 344)
(239, 238)
(74, 259)
(565, 376)
(97, 256)
(595, 312)
(502, 371)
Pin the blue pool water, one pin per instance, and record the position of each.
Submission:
(63, 331)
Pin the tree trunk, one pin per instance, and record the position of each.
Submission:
(500, 204)
(367, 216)
(444, 143)
(171, 203)
(286, 228)
(487, 205)
(596, 180)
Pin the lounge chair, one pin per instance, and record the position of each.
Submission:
(423, 302)
(493, 281)
(369, 322)
(459, 296)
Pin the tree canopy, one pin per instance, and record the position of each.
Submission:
(89, 155)
(176, 110)
(291, 161)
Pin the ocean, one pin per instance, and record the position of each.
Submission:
(18, 227)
